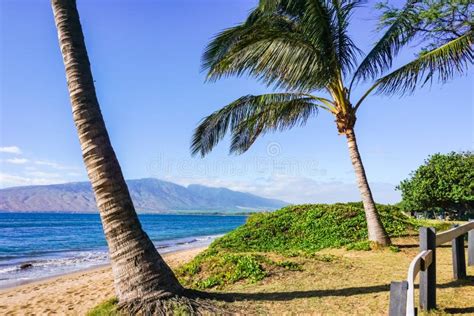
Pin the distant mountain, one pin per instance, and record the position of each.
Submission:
(149, 195)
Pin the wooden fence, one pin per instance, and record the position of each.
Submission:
(402, 294)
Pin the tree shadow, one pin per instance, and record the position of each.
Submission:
(468, 281)
(288, 296)
(344, 292)
(459, 310)
(406, 246)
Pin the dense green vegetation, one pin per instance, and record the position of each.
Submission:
(310, 228)
(270, 242)
(444, 183)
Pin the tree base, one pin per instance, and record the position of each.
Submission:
(375, 245)
(160, 305)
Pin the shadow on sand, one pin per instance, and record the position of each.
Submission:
(288, 296)
(344, 292)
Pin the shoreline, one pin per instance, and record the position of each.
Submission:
(175, 249)
(7, 288)
(72, 293)
(164, 247)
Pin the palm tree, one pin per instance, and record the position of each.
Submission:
(140, 274)
(303, 47)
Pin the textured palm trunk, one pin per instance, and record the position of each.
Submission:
(375, 227)
(139, 271)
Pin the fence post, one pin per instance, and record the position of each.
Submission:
(459, 259)
(470, 246)
(428, 277)
(398, 298)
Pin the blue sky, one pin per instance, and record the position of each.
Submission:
(145, 58)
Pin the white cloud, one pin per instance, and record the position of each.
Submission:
(36, 172)
(54, 165)
(9, 180)
(42, 174)
(17, 161)
(299, 189)
(10, 150)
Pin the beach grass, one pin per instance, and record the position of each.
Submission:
(107, 308)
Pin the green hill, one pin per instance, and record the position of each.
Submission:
(249, 251)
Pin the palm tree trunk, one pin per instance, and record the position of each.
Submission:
(375, 227)
(139, 270)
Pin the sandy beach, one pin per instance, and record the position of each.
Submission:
(71, 294)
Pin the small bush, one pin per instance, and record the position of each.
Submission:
(222, 268)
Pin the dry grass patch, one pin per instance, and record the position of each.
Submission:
(355, 283)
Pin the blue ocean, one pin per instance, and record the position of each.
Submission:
(58, 243)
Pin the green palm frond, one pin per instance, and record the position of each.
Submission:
(317, 25)
(272, 5)
(443, 62)
(274, 49)
(380, 58)
(298, 45)
(293, 8)
(345, 48)
(224, 41)
(250, 116)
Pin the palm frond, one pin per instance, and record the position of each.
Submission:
(380, 58)
(224, 41)
(317, 27)
(294, 8)
(275, 50)
(249, 116)
(443, 62)
(345, 48)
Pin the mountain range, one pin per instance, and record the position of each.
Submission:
(149, 196)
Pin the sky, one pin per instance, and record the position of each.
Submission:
(145, 58)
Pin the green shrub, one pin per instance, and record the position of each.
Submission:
(310, 228)
(222, 268)
(294, 231)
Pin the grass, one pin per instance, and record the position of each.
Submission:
(107, 308)
(317, 257)
(353, 283)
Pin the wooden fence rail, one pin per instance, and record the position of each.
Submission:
(402, 294)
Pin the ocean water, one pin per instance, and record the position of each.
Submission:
(59, 243)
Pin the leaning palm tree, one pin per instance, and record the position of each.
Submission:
(303, 47)
(143, 281)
